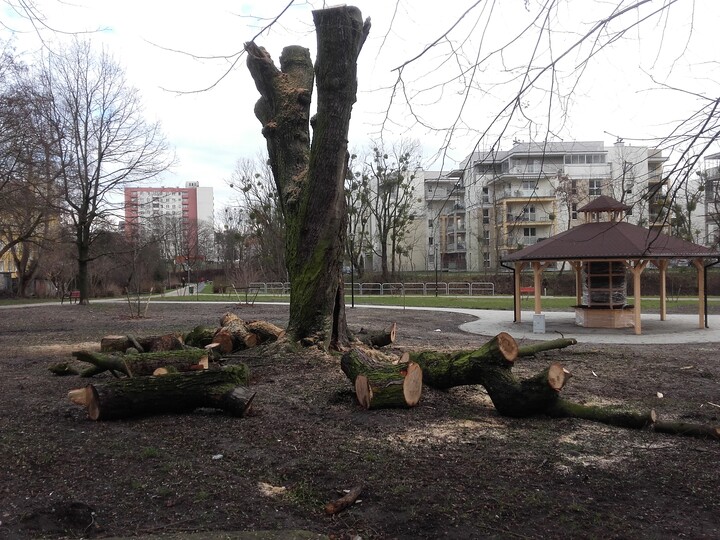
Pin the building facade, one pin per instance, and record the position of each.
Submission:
(499, 202)
(170, 213)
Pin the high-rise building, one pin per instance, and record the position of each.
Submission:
(174, 215)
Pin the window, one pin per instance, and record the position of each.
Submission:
(430, 241)
(529, 213)
(486, 238)
(529, 185)
(430, 223)
(486, 260)
(573, 187)
(486, 215)
(595, 188)
(584, 159)
(486, 195)
(573, 213)
(529, 232)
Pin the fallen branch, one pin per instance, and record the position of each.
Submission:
(342, 503)
(532, 350)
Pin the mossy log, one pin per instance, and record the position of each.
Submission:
(446, 370)
(380, 385)
(166, 342)
(532, 350)
(623, 417)
(381, 338)
(174, 393)
(62, 369)
(200, 336)
(138, 364)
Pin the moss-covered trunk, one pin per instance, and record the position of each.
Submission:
(310, 177)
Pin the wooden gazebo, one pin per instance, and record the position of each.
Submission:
(601, 251)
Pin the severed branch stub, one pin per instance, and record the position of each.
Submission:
(342, 503)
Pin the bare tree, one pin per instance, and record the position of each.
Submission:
(310, 178)
(257, 197)
(357, 201)
(100, 137)
(390, 193)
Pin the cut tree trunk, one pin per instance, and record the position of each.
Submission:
(382, 338)
(381, 385)
(310, 177)
(135, 365)
(167, 342)
(175, 393)
(491, 366)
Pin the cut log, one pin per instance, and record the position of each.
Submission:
(167, 342)
(135, 365)
(342, 503)
(532, 350)
(380, 384)
(266, 332)
(446, 370)
(382, 338)
(175, 393)
(200, 336)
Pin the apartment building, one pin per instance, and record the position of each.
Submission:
(711, 216)
(500, 201)
(157, 208)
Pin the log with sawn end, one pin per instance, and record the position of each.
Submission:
(134, 365)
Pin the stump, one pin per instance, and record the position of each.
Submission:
(174, 393)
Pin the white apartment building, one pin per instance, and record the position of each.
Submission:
(711, 217)
(502, 201)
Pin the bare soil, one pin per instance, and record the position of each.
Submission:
(451, 467)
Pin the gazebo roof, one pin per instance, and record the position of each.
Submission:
(611, 240)
(604, 204)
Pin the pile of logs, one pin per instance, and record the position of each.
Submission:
(170, 373)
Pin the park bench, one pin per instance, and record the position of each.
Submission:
(71, 295)
(527, 291)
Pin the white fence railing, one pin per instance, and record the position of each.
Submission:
(392, 289)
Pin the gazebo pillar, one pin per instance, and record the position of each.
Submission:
(662, 264)
(537, 284)
(516, 295)
(637, 270)
(701, 290)
(577, 266)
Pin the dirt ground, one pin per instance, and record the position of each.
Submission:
(448, 468)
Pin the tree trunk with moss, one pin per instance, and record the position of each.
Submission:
(310, 177)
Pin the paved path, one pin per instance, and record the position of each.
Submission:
(675, 329)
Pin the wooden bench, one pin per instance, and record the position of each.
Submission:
(72, 295)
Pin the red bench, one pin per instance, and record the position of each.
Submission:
(527, 290)
(72, 295)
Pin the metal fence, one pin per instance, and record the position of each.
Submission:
(481, 288)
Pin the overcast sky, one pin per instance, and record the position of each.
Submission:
(618, 92)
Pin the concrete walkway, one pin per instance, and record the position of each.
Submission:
(675, 329)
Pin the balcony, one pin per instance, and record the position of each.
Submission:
(458, 247)
(528, 219)
(526, 194)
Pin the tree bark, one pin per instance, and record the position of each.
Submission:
(532, 350)
(200, 336)
(236, 334)
(175, 393)
(381, 385)
(137, 365)
(310, 178)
